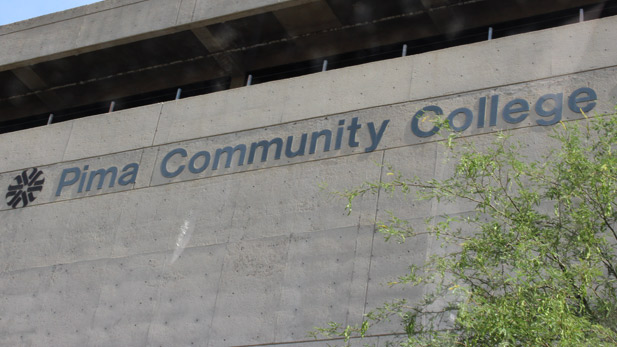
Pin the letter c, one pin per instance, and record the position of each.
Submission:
(180, 168)
(415, 129)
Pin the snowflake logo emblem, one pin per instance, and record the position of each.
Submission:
(24, 188)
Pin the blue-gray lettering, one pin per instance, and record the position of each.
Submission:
(574, 100)
(102, 173)
(509, 109)
(265, 147)
(82, 181)
(301, 149)
(481, 112)
(327, 134)
(339, 134)
(376, 135)
(63, 179)
(353, 128)
(164, 170)
(468, 118)
(415, 129)
(556, 112)
(230, 152)
(203, 166)
(494, 106)
(129, 177)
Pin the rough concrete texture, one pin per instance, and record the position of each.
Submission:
(413, 78)
(111, 133)
(137, 163)
(255, 254)
(84, 28)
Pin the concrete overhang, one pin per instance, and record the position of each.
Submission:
(121, 48)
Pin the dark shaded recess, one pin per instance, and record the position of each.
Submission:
(142, 99)
(554, 19)
(84, 79)
(248, 31)
(360, 11)
(151, 70)
(123, 58)
(431, 43)
(10, 85)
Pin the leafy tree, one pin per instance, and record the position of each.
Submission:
(534, 265)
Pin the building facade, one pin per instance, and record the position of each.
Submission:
(175, 197)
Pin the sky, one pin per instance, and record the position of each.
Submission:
(16, 10)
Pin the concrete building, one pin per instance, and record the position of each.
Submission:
(168, 203)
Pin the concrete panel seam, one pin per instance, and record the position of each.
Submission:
(410, 79)
(312, 342)
(193, 13)
(178, 13)
(278, 308)
(152, 172)
(158, 121)
(216, 297)
(96, 309)
(353, 270)
(157, 301)
(194, 179)
(141, 159)
(267, 168)
(409, 99)
(434, 212)
(66, 145)
(370, 262)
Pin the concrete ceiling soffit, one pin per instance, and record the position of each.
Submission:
(34, 82)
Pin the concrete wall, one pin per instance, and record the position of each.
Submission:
(87, 28)
(257, 254)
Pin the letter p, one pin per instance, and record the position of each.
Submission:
(64, 182)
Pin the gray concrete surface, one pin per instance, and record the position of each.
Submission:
(413, 78)
(84, 28)
(129, 135)
(256, 254)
